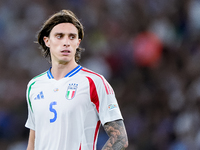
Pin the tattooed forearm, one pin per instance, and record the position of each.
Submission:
(118, 145)
(117, 136)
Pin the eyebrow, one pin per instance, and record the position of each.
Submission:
(62, 33)
(74, 34)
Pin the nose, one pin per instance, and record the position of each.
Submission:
(66, 42)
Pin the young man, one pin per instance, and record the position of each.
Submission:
(67, 103)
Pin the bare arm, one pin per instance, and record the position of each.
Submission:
(118, 139)
(31, 140)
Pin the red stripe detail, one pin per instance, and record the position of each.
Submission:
(100, 77)
(93, 94)
(110, 88)
(80, 147)
(96, 132)
(73, 92)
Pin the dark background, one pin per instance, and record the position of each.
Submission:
(148, 50)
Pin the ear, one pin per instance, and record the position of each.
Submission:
(46, 41)
(78, 43)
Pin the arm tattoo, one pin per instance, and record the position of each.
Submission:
(117, 136)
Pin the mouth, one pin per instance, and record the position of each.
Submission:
(65, 52)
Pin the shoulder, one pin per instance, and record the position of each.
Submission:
(37, 78)
(93, 75)
(98, 80)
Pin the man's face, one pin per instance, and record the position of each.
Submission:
(63, 42)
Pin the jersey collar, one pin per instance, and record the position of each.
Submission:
(70, 74)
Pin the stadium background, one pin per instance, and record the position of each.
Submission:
(149, 51)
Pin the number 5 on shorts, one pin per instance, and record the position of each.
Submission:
(53, 111)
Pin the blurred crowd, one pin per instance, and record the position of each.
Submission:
(148, 50)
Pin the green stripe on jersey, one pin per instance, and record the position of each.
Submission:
(40, 75)
(29, 90)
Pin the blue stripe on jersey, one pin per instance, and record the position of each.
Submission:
(77, 70)
(74, 71)
(70, 74)
(50, 76)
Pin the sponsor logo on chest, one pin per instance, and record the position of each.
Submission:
(71, 91)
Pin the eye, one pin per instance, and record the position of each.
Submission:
(71, 37)
(59, 36)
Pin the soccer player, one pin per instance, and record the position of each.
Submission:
(67, 103)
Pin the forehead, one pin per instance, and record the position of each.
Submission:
(65, 28)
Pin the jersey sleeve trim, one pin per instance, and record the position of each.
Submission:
(109, 90)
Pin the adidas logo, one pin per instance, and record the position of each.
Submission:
(39, 96)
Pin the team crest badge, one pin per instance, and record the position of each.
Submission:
(71, 91)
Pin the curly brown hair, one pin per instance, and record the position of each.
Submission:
(63, 16)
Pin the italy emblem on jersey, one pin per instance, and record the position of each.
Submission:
(71, 91)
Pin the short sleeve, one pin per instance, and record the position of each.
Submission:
(108, 106)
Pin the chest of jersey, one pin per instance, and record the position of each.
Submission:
(52, 101)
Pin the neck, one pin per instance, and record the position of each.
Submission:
(59, 71)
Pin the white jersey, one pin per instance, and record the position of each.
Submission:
(66, 114)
